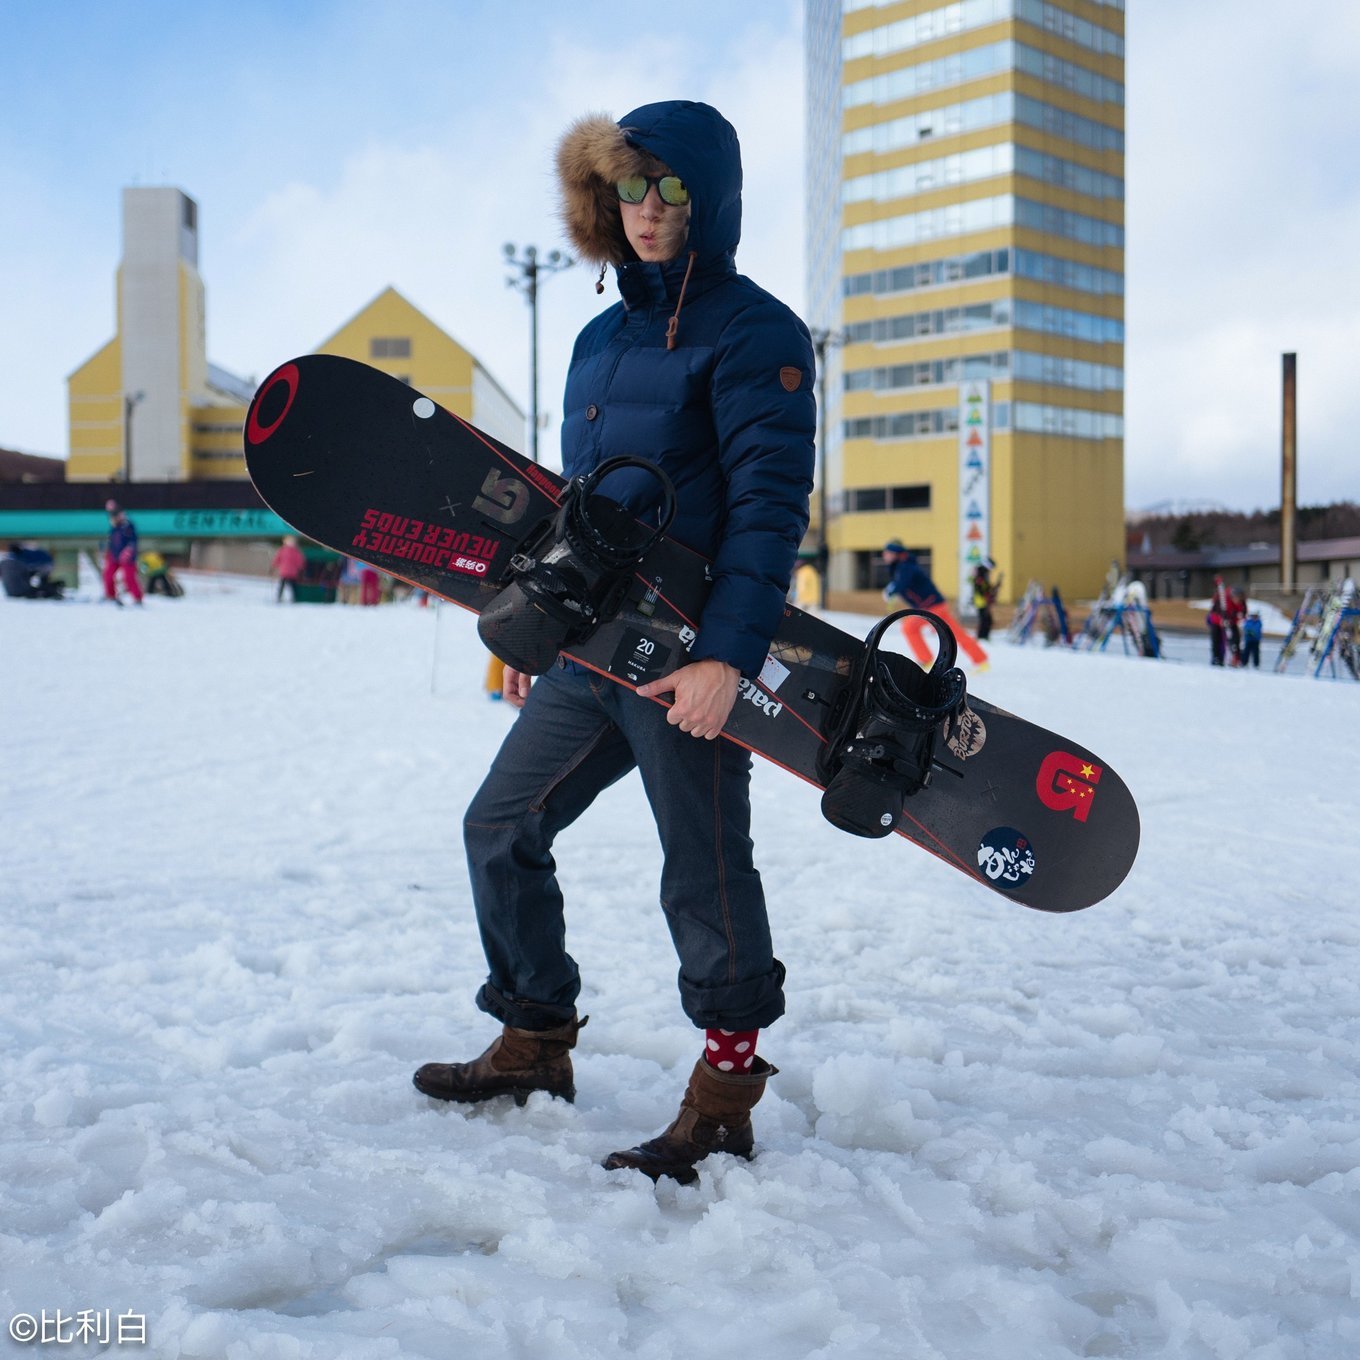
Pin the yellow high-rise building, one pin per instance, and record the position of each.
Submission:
(149, 407)
(966, 260)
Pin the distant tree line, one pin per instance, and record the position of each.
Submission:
(1235, 529)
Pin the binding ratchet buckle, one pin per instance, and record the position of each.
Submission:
(882, 731)
(572, 570)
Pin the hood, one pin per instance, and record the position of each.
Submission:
(693, 140)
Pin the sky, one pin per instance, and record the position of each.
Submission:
(335, 149)
(1132, 1131)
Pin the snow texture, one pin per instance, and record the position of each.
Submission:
(236, 918)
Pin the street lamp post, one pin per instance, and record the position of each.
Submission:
(530, 267)
(822, 340)
(130, 401)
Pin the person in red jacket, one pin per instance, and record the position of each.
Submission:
(1236, 612)
(1217, 621)
(288, 565)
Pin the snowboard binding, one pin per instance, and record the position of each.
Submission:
(882, 734)
(572, 571)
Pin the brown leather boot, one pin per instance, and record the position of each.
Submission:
(520, 1062)
(715, 1116)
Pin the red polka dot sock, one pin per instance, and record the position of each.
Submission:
(730, 1050)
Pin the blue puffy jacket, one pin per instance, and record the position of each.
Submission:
(912, 586)
(122, 540)
(730, 411)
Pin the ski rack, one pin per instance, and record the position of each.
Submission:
(1131, 618)
(1038, 607)
(1330, 615)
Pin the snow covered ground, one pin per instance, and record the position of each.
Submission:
(235, 919)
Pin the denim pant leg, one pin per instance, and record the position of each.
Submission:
(711, 893)
(561, 753)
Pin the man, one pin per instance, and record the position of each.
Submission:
(702, 371)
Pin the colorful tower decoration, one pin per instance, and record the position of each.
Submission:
(975, 484)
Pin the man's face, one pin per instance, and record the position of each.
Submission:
(654, 228)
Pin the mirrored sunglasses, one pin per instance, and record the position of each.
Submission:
(670, 187)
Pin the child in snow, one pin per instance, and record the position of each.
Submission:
(1251, 640)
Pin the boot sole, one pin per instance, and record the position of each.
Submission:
(521, 1094)
(684, 1172)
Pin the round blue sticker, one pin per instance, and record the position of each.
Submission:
(1006, 858)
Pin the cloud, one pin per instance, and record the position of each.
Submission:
(432, 219)
(335, 150)
(1243, 213)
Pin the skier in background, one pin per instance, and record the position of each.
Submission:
(493, 682)
(288, 564)
(370, 585)
(807, 582)
(984, 597)
(714, 377)
(347, 588)
(27, 574)
(1251, 640)
(1217, 621)
(158, 577)
(1237, 611)
(120, 555)
(909, 587)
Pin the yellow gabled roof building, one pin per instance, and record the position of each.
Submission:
(148, 406)
(392, 334)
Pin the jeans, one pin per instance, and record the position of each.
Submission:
(577, 734)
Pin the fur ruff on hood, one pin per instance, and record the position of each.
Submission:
(592, 156)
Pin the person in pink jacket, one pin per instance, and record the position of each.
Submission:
(288, 564)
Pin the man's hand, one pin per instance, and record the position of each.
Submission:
(515, 687)
(704, 694)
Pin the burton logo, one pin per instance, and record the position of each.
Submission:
(967, 734)
(1066, 783)
(1006, 857)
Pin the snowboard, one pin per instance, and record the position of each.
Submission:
(362, 463)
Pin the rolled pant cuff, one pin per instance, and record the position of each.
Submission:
(521, 1014)
(755, 1004)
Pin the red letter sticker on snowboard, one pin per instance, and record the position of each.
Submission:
(1067, 783)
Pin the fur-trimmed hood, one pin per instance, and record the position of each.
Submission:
(691, 140)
